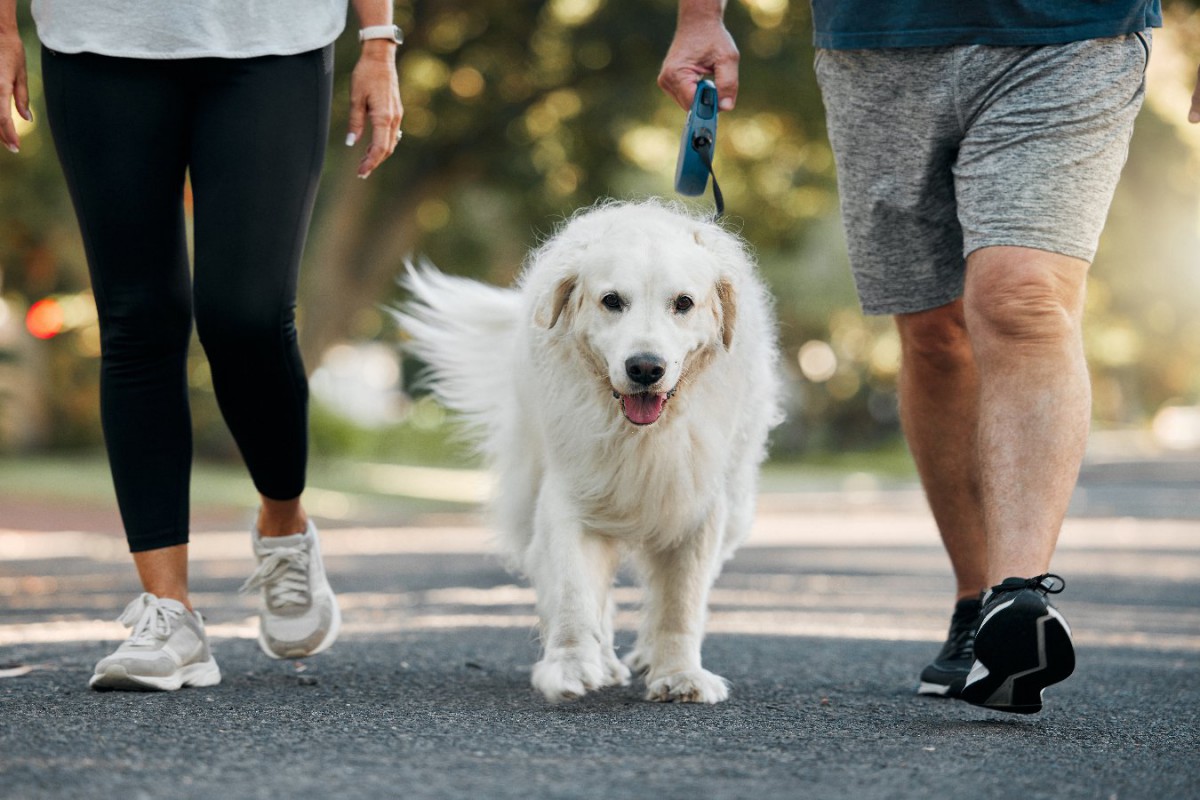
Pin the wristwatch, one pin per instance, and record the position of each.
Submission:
(389, 32)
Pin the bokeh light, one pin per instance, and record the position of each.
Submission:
(45, 318)
(817, 361)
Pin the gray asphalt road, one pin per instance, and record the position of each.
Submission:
(821, 623)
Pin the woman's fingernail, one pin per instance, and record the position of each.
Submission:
(12, 148)
(27, 114)
(351, 138)
(1194, 116)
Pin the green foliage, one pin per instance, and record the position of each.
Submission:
(517, 114)
(426, 436)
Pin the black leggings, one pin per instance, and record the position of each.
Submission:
(251, 134)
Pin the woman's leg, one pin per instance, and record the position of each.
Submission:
(258, 145)
(256, 156)
(120, 127)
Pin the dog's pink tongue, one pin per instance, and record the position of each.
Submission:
(642, 409)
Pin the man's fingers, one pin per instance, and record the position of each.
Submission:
(725, 76)
(681, 85)
(678, 84)
(698, 50)
(1194, 114)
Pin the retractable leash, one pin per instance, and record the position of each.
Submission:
(696, 147)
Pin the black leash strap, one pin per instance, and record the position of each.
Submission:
(704, 146)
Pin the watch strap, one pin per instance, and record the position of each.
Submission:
(390, 32)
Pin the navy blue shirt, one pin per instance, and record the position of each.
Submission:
(858, 24)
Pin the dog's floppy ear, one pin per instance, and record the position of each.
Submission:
(733, 260)
(727, 297)
(554, 304)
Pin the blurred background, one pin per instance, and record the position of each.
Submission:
(516, 115)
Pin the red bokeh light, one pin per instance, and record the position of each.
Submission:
(45, 318)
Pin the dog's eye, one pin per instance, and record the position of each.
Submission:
(612, 301)
(683, 304)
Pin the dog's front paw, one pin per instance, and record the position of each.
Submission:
(617, 674)
(690, 686)
(638, 661)
(566, 676)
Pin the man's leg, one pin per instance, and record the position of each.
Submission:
(995, 403)
(939, 408)
(939, 390)
(1023, 309)
(1026, 409)
(1037, 167)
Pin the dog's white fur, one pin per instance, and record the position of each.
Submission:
(535, 369)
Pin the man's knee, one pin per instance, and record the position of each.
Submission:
(935, 339)
(1018, 296)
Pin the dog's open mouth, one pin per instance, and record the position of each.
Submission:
(644, 408)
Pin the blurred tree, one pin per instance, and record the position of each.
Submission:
(517, 114)
(1143, 314)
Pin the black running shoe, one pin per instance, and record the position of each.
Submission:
(948, 672)
(1022, 645)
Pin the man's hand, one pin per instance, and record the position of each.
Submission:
(14, 87)
(375, 96)
(702, 46)
(1194, 114)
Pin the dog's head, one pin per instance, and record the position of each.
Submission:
(646, 294)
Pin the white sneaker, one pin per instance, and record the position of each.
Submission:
(299, 615)
(167, 650)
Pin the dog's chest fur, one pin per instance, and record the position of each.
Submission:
(651, 485)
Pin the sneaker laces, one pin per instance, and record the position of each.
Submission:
(150, 620)
(960, 644)
(283, 574)
(1049, 583)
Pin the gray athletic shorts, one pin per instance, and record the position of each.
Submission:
(943, 150)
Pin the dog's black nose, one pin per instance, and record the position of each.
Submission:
(645, 368)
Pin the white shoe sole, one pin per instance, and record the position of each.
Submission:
(933, 689)
(335, 625)
(116, 678)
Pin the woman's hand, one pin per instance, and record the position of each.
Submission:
(14, 86)
(375, 96)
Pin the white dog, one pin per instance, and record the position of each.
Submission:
(622, 393)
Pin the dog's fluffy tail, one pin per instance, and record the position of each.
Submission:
(464, 331)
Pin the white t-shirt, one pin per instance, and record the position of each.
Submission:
(188, 28)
